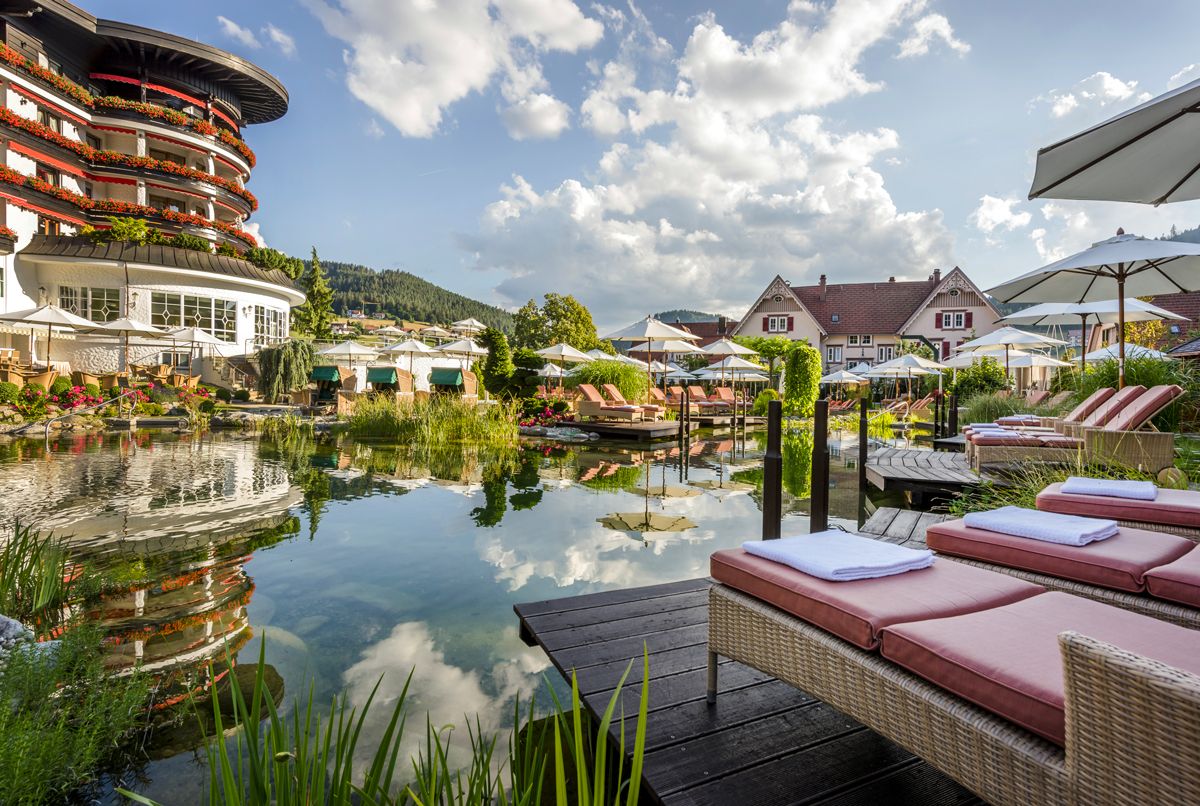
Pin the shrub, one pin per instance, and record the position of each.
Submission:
(32, 400)
(223, 394)
(525, 379)
(193, 242)
(629, 379)
(985, 375)
(764, 397)
(149, 409)
(60, 386)
(91, 390)
(801, 380)
(9, 392)
(440, 419)
(242, 395)
(498, 367)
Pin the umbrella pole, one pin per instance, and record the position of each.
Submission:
(49, 336)
(1120, 331)
(1083, 343)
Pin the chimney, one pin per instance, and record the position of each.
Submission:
(823, 288)
(891, 279)
(937, 275)
(722, 325)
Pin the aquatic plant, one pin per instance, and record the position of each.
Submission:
(315, 757)
(34, 577)
(286, 427)
(630, 379)
(439, 419)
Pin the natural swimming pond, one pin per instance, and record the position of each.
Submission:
(358, 559)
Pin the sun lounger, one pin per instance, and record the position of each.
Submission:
(1022, 696)
(1174, 511)
(1115, 571)
(1077, 414)
(615, 398)
(592, 404)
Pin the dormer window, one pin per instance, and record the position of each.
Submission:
(835, 318)
(777, 298)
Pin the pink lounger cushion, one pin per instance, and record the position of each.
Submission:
(1178, 581)
(1119, 562)
(1142, 408)
(857, 611)
(1007, 659)
(1170, 508)
(1089, 404)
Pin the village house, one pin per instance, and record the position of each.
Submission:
(854, 323)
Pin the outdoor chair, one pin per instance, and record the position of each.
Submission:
(615, 398)
(1148, 572)
(79, 378)
(1173, 511)
(43, 379)
(592, 404)
(1021, 695)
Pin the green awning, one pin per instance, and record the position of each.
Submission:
(382, 375)
(325, 374)
(442, 376)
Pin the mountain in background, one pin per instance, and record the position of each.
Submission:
(686, 315)
(395, 294)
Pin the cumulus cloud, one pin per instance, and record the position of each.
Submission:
(411, 61)
(1097, 92)
(995, 213)
(1068, 227)
(281, 39)
(721, 174)
(927, 30)
(238, 33)
(1185, 76)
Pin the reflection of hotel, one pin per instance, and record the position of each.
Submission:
(101, 118)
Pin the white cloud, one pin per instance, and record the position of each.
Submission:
(927, 30)
(254, 229)
(373, 129)
(1098, 91)
(241, 35)
(537, 117)
(995, 213)
(281, 40)
(410, 62)
(720, 175)
(1072, 226)
(1185, 76)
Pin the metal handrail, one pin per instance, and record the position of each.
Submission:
(74, 412)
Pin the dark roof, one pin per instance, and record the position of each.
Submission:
(260, 95)
(864, 307)
(1187, 348)
(169, 256)
(1183, 304)
(708, 332)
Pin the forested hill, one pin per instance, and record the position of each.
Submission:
(403, 295)
(685, 315)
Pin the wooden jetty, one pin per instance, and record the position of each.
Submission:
(920, 471)
(901, 526)
(657, 431)
(763, 743)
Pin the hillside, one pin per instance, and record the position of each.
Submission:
(402, 295)
(685, 315)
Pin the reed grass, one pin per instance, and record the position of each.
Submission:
(287, 427)
(35, 579)
(1020, 488)
(989, 407)
(440, 419)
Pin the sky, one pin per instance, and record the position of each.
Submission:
(676, 154)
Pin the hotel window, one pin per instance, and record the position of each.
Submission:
(216, 316)
(270, 325)
(852, 341)
(47, 174)
(833, 354)
(50, 121)
(48, 226)
(163, 203)
(94, 141)
(777, 324)
(886, 352)
(866, 340)
(88, 190)
(953, 321)
(97, 304)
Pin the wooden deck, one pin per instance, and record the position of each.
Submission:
(902, 526)
(763, 743)
(922, 471)
(658, 431)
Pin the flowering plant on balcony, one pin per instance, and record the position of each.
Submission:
(98, 156)
(82, 95)
(7, 234)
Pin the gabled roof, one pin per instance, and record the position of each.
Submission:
(954, 277)
(778, 286)
(1187, 348)
(864, 307)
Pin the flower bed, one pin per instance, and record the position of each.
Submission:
(98, 156)
(82, 95)
(12, 177)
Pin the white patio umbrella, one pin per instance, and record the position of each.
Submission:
(564, 353)
(126, 327)
(551, 371)
(1037, 360)
(1146, 154)
(679, 375)
(53, 317)
(195, 337)
(351, 351)
(468, 326)
(628, 359)
(727, 347)
(465, 349)
(843, 377)
(1008, 338)
(667, 346)
(860, 368)
(649, 330)
(598, 354)
(388, 330)
(436, 332)
(411, 348)
(1138, 267)
(907, 365)
(1102, 312)
(1131, 351)
(966, 359)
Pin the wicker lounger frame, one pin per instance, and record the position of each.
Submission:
(1149, 451)
(1131, 723)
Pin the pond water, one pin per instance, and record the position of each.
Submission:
(355, 560)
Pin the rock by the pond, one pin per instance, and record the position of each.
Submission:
(12, 633)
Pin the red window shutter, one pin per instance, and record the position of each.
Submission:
(766, 322)
(945, 349)
(791, 324)
(967, 319)
(938, 320)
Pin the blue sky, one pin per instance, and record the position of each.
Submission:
(679, 154)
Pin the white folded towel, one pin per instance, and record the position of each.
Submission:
(1112, 488)
(1050, 527)
(986, 426)
(839, 556)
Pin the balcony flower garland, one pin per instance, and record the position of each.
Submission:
(98, 156)
(7, 234)
(16, 178)
(83, 96)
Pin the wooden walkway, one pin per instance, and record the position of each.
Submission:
(763, 743)
(660, 430)
(902, 526)
(911, 470)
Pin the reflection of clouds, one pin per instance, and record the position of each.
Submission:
(448, 693)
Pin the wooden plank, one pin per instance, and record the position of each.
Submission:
(669, 691)
(594, 635)
(551, 622)
(667, 662)
(915, 783)
(878, 523)
(902, 527)
(588, 600)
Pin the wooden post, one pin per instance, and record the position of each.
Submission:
(773, 473)
(818, 511)
(863, 444)
(937, 416)
(953, 429)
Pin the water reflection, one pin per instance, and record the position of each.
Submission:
(355, 559)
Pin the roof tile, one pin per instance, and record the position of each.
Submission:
(864, 307)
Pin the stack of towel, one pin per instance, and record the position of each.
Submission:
(840, 556)
(1111, 488)
(1051, 527)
